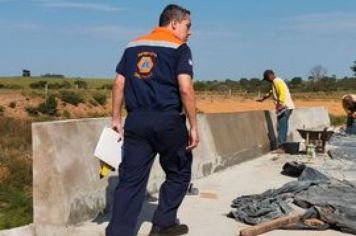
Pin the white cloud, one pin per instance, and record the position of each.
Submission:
(112, 32)
(77, 5)
(216, 34)
(20, 26)
(70, 4)
(325, 22)
(82, 6)
(27, 26)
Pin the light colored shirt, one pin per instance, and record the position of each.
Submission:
(281, 93)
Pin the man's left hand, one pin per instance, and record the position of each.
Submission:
(193, 139)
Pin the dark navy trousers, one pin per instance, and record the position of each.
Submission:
(145, 135)
(351, 125)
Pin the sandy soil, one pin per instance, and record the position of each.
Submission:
(215, 104)
(23, 101)
(205, 104)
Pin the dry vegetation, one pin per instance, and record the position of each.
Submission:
(215, 103)
(15, 173)
(206, 103)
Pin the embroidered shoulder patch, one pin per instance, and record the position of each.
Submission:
(145, 64)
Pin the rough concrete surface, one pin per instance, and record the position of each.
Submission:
(66, 186)
(305, 118)
(206, 213)
(239, 137)
(20, 231)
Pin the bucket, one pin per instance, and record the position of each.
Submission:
(291, 148)
(310, 151)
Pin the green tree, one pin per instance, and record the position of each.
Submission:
(296, 81)
(327, 84)
(255, 84)
(200, 86)
(244, 83)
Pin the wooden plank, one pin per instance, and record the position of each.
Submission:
(271, 225)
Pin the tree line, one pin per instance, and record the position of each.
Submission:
(318, 80)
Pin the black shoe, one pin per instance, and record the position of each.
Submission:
(175, 230)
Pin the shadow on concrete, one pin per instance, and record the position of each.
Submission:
(105, 215)
(271, 131)
(148, 208)
(147, 212)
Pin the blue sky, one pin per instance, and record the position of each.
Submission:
(231, 38)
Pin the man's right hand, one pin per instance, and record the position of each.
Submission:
(193, 139)
(116, 126)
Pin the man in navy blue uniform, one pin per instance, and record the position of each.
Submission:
(154, 76)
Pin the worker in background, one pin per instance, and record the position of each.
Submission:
(284, 105)
(349, 104)
(155, 78)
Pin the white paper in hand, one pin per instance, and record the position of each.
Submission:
(108, 148)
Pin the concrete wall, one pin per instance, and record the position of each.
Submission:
(67, 189)
(307, 118)
(66, 186)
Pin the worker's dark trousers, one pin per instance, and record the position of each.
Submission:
(145, 135)
(282, 127)
(351, 125)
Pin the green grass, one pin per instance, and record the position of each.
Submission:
(16, 181)
(16, 208)
(337, 120)
(93, 83)
(320, 95)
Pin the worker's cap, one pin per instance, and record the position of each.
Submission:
(267, 73)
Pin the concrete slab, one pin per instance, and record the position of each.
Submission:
(19, 231)
(207, 215)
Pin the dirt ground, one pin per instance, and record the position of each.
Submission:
(218, 104)
(205, 104)
(22, 101)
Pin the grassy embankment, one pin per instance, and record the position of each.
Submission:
(15, 173)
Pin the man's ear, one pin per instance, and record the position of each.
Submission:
(174, 24)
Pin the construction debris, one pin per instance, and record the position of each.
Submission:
(317, 138)
(271, 225)
(330, 202)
